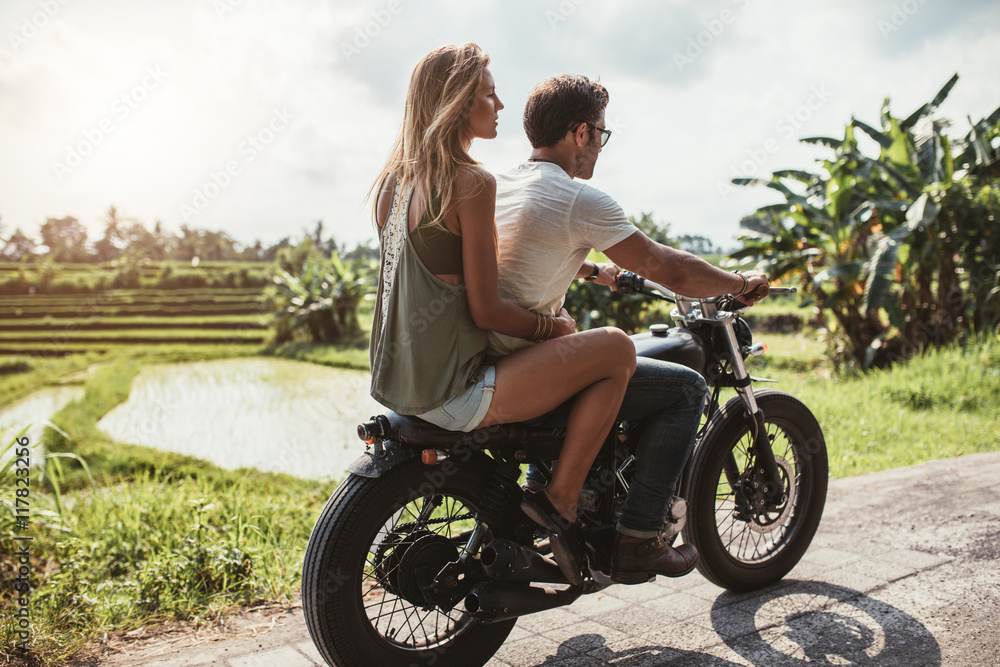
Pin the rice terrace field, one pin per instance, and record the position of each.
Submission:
(78, 312)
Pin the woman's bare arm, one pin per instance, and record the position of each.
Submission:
(475, 204)
(384, 200)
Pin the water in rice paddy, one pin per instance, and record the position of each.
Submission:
(271, 414)
(34, 411)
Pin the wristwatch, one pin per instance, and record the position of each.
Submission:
(593, 276)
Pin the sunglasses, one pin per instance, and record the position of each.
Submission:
(605, 133)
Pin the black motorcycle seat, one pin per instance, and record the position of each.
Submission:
(415, 431)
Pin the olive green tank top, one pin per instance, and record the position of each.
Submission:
(437, 247)
(425, 347)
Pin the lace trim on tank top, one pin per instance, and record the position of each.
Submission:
(393, 239)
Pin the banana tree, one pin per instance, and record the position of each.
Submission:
(882, 243)
(916, 272)
(319, 297)
(819, 237)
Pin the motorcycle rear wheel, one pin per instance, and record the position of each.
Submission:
(359, 578)
(743, 548)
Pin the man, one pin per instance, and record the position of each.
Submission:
(548, 222)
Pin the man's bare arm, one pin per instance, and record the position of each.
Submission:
(681, 271)
(606, 272)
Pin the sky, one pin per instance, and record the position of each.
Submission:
(261, 117)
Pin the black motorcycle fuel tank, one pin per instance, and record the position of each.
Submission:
(678, 345)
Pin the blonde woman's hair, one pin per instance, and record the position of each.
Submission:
(431, 147)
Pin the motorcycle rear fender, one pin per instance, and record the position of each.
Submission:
(394, 453)
(375, 465)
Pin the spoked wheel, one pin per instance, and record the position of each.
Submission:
(748, 536)
(371, 560)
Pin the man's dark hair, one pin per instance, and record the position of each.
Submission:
(559, 104)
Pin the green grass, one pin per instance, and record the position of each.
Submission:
(69, 335)
(84, 308)
(21, 375)
(204, 310)
(189, 291)
(325, 355)
(940, 405)
(59, 336)
(780, 304)
(147, 265)
(84, 279)
(55, 326)
(226, 348)
(140, 295)
(163, 545)
(795, 353)
(122, 308)
(157, 535)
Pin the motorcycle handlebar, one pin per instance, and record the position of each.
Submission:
(631, 283)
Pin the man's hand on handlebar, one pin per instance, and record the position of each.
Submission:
(758, 287)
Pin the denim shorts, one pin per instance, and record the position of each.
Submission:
(465, 411)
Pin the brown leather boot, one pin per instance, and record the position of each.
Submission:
(636, 560)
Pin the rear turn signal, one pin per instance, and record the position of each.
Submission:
(432, 456)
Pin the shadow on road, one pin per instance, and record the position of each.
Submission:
(800, 623)
(807, 622)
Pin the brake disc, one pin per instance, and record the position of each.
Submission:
(769, 515)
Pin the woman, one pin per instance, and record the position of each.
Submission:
(438, 294)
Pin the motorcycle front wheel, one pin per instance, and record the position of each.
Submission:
(748, 539)
(376, 545)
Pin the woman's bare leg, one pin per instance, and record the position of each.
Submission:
(595, 367)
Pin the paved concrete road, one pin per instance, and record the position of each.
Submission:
(905, 570)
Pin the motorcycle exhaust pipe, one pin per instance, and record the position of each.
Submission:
(492, 601)
(508, 561)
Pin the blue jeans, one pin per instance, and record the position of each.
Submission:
(670, 398)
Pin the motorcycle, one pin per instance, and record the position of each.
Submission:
(423, 556)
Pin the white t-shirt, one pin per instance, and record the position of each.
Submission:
(547, 224)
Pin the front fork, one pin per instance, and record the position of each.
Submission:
(763, 457)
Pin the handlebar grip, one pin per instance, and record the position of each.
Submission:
(734, 303)
(629, 283)
(771, 290)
